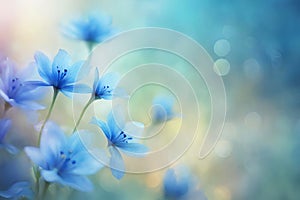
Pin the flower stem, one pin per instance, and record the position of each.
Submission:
(45, 188)
(82, 112)
(55, 93)
(90, 46)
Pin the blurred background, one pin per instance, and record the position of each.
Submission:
(255, 46)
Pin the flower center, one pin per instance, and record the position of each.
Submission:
(61, 74)
(103, 91)
(14, 87)
(65, 161)
(122, 138)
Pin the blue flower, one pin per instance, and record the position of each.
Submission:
(17, 191)
(61, 75)
(5, 125)
(92, 28)
(63, 160)
(181, 185)
(117, 134)
(14, 90)
(163, 109)
(105, 87)
(174, 188)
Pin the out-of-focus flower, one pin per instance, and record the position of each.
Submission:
(117, 134)
(92, 29)
(5, 125)
(163, 109)
(14, 90)
(174, 188)
(105, 87)
(181, 186)
(61, 75)
(17, 191)
(63, 160)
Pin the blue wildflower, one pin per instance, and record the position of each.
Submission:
(92, 29)
(163, 109)
(61, 75)
(105, 87)
(63, 160)
(181, 185)
(117, 134)
(17, 191)
(5, 125)
(13, 89)
(174, 188)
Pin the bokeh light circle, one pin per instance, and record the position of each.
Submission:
(222, 67)
(222, 47)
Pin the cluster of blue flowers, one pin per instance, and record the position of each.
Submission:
(57, 157)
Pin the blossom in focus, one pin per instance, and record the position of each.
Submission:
(117, 134)
(63, 160)
(5, 124)
(13, 87)
(105, 87)
(18, 190)
(60, 74)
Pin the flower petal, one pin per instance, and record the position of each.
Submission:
(103, 127)
(11, 149)
(37, 83)
(114, 125)
(86, 164)
(5, 125)
(76, 71)
(51, 176)
(80, 183)
(18, 189)
(77, 88)
(44, 67)
(116, 163)
(30, 105)
(133, 148)
(61, 61)
(176, 186)
(77, 182)
(96, 79)
(170, 182)
(36, 156)
(53, 141)
(4, 96)
(111, 79)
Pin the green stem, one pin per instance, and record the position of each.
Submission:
(90, 46)
(55, 93)
(37, 183)
(45, 188)
(82, 112)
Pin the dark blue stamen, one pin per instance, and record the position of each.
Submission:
(61, 74)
